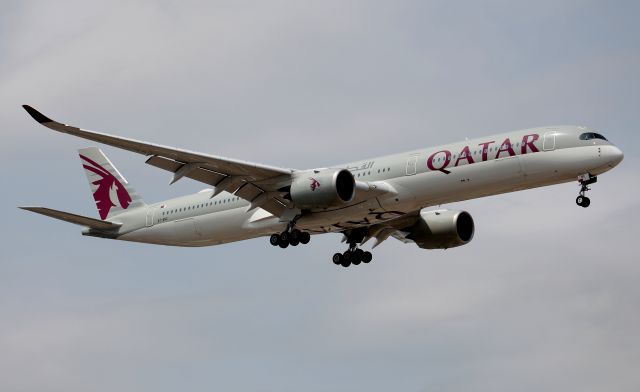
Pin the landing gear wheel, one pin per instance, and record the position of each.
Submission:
(274, 239)
(284, 239)
(294, 241)
(358, 256)
(583, 201)
(345, 263)
(347, 256)
(337, 258)
(367, 257)
(305, 237)
(295, 234)
(586, 202)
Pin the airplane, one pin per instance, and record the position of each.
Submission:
(371, 199)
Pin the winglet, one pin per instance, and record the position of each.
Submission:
(39, 117)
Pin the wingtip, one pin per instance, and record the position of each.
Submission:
(39, 117)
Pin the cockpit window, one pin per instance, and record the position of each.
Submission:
(592, 135)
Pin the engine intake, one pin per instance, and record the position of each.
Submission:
(442, 229)
(323, 188)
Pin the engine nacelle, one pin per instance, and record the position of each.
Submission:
(322, 188)
(442, 229)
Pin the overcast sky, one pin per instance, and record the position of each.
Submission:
(545, 298)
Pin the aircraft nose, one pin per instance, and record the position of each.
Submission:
(615, 155)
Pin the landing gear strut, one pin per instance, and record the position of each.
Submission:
(582, 200)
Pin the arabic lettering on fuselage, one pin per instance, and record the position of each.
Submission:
(441, 160)
(363, 166)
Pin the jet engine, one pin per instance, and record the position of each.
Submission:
(442, 229)
(322, 188)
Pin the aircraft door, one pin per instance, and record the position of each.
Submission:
(151, 212)
(549, 143)
(411, 165)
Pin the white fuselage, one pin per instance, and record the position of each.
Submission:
(413, 180)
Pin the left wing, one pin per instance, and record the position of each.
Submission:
(256, 183)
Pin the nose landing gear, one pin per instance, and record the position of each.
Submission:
(582, 200)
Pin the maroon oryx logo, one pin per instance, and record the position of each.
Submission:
(106, 186)
(315, 184)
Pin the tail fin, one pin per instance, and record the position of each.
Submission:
(111, 191)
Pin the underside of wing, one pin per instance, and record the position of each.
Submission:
(379, 232)
(256, 183)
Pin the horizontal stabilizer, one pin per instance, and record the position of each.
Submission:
(73, 218)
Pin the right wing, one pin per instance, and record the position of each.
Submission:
(259, 184)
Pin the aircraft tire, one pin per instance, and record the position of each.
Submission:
(294, 241)
(586, 202)
(284, 239)
(274, 239)
(367, 257)
(305, 238)
(337, 258)
(347, 256)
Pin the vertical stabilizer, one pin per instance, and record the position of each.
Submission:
(111, 191)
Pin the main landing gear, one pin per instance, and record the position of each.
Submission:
(582, 200)
(293, 238)
(353, 255)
